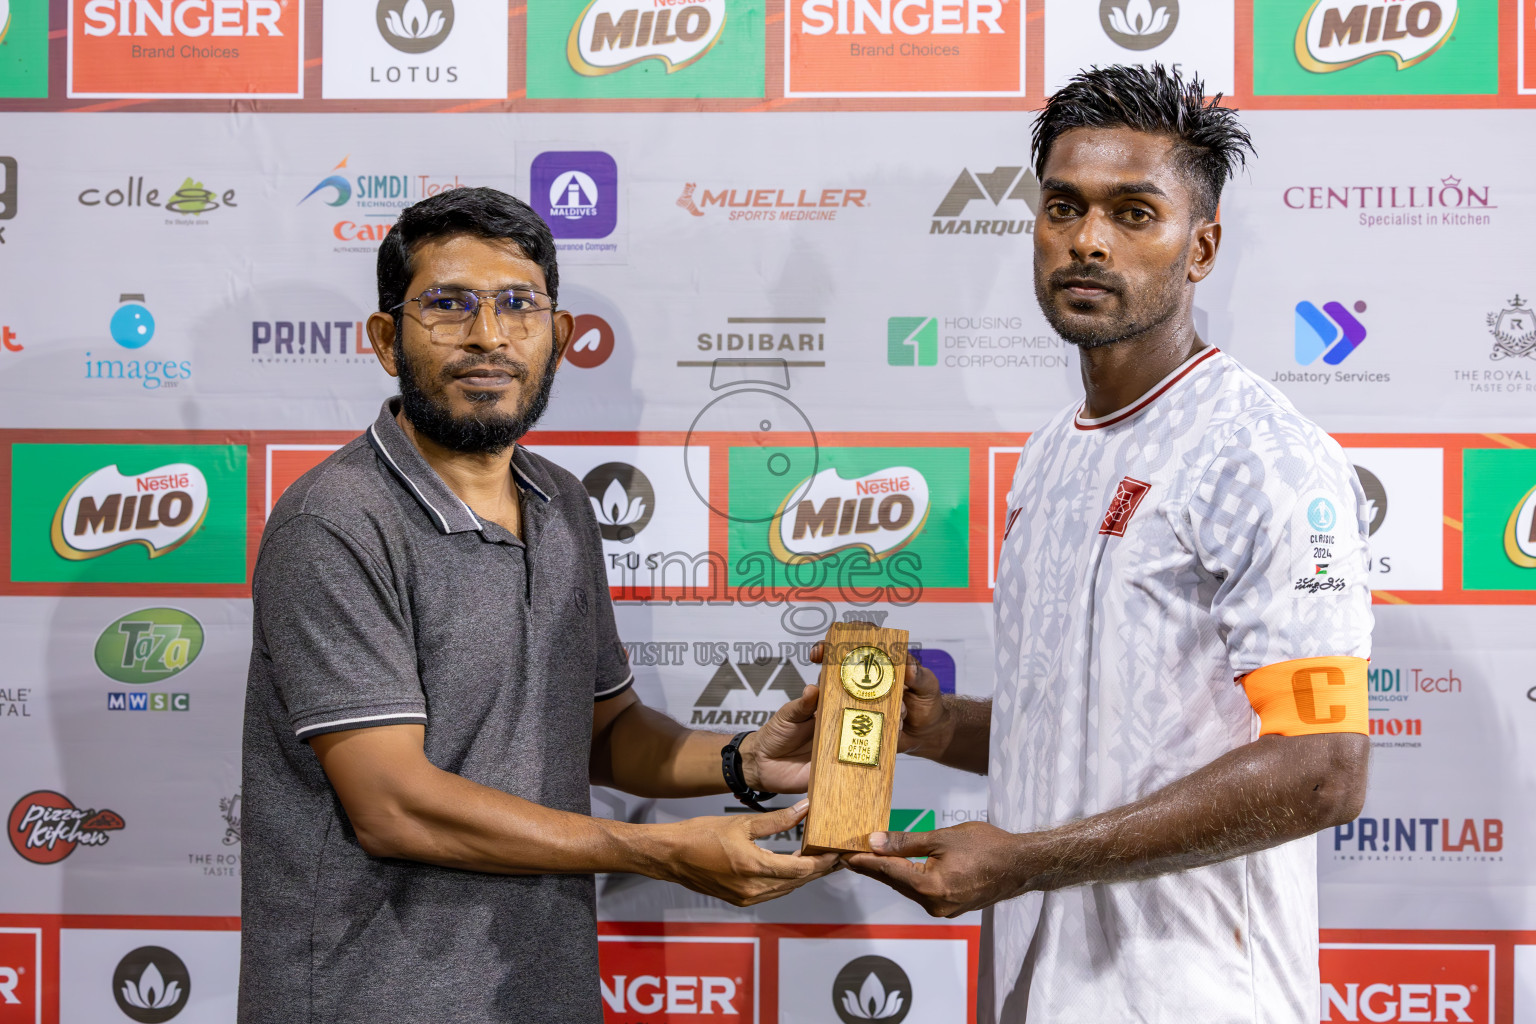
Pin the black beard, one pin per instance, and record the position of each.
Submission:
(1154, 307)
(473, 435)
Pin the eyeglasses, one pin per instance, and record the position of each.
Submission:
(448, 313)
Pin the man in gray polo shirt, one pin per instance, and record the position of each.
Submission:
(436, 679)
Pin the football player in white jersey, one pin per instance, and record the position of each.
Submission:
(1182, 623)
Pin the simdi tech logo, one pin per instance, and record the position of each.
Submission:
(153, 513)
(23, 49)
(1498, 519)
(1375, 47)
(186, 48)
(579, 49)
(908, 48)
(368, 200)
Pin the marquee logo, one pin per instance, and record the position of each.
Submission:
(160, 509)
(415, 26)
(999, 185)
(45, 827)
(1336, 35)
(612, 35)
(149, 645)
(151, 985)
(1402, 982)
(757, 677)
(880, 513)
(872, 988)
(1139, 24)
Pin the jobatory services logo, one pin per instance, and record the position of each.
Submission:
(980, 342)
(186, 48)
(413, 49)
(1499, 519)
(1330, 333)
(770, 204)
(589, 49)
(151, 985)
(153, 513)
(21, 975)
(23, 49)
(907, 48)
(710, 979)
(1382, 981)
(1453, 839)
(1004, 187)
(1139, 24)
(1450, 203)
(45, 827)
(872, 988)
(1514, 331)
(1375, 47)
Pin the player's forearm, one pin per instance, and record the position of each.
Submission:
(960, 738)
(1261, 795)
(646, 753)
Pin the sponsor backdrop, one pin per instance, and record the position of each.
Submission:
(796, 240)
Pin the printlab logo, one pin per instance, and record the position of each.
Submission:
(1139, 24)
(612, 35)
(151, 985)
(1000, 185)
(415, 26)
(912, 341)
(1375, 499)
(577, 193)
(45, 827)
(1514, 331)
(1331, 332)
(1336, 35)
(872, 988)
(622, 498)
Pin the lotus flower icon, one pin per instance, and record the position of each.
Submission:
(617, 507)
(413, 22)
(151, 991)
(873, 1002)
(1137, 18)
(415, 26)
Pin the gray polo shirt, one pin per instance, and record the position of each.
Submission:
(381, 598)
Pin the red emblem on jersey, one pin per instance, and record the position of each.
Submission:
(1123, 505)
(1013, 517)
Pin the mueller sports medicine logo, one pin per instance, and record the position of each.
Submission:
(1372, 981)
(872, 988)
(1336, 35)
(45, 827)
(612, 35)
(755, 204)
(160, 509)
(1445, 205)
(151, 985)
(1139, 24)
(880, 513)
(1004, 187)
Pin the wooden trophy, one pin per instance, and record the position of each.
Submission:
(858, 721)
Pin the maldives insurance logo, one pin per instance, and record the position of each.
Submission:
(45, 827)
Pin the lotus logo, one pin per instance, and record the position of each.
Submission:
(1375, 499)
(415, 26)
(614, 34)
(160, 509)
(1139, 24)
(879, 513)
(872, 988)
(622, 499)
(151, 985)
(1336, 35)
(1520, 532)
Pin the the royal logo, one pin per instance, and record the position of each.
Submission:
(1514, 331)
(45, 827)
(1128, 495)
(614, 34)
(880, 513)
(1337, 34)
(160, 509)
(149, 646)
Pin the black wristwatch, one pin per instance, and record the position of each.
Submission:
(736, 779)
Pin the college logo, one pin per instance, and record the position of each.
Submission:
(576, 193)
(186, 48)
(1514, 331)
(1331, 332)
(1138, 24)
(415, 26)
(1337, 35)
(771, 203)
(1499, 519)
(904, 48)
(872, 988)
(711, 978)
(1400, 982)
(149, 646)
(151, 985)
(622, 498)
(191, 198)
(880, 513)
(614, 34)
(45, 827)
(128, 513)
(21, 959)
(1000, 185)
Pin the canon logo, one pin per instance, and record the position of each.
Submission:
(182, 17)
(10, 977)
(1397, 1002)
(908, 17)
(675, 993)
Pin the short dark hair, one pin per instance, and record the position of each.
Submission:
(483, 212)
(1209, 139)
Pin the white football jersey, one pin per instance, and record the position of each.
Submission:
(1152, 557)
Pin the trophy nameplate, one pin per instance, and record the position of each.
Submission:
(858, 721)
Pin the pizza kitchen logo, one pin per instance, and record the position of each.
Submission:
(880, 513)
(1335, 35)
(45, 827)
(107, 510)
(612, 35)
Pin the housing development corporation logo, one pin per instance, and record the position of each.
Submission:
(1514, 331)
(872, 988)
(1139, 24)
(999, 186)
(614, 34)
(415, 26)
(45, 827)
(151, 985)
(970, 342)
(1336, 35)
(912, 341)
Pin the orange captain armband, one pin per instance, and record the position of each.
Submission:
(1309, 695)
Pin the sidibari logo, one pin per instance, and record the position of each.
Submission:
(614, 34)
(1335, 35)
(880, 513)
(415, 26)
(151, 985)
(1520, 532)
(45, 827)
(1331, 332)
(872, 988)
(622, 499)
(149, 645)
(160, 509)
(1013, 184)
(1139, 24)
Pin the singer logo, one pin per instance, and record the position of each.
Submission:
(712, 980)
(185, 48)
(159, 509)
(880, 513)
(1385, 982)
(21, 975)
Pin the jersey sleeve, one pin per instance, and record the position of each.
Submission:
(1278, 520)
